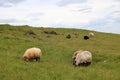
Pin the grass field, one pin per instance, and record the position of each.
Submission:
(57, 50)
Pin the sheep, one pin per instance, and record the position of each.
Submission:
(91, 34)
(68, 36)
(30, 32)
(82, 58)
(74, 55)
(86, 37)
(51, 32)
(32, 53)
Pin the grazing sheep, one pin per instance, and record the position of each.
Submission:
(74, 55)
(68, 36)
(86, 37)
(82, 58)
(91, 34)
(31, 54)
(51, 32)
(30, 32)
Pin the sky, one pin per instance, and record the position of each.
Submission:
(97, 15)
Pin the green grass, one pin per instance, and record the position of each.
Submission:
(57, 52)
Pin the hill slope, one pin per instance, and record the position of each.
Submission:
(57, 52)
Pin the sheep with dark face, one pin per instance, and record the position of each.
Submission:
(82, 58)
(86, 37)
(31, 54)
(68, 36)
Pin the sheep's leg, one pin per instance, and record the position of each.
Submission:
(37, 59)
(31, 59)
(88, 63)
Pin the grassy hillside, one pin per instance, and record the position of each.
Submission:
(57, 52)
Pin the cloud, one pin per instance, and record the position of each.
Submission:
(84, 10)
(35, 16)
(67, 2)
(107, 24)
(110, 26)
(8, 20)
(13, 21)
(85, 14)
(9, 3)
(117, 0)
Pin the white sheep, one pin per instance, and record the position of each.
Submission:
(82, 58)
(31, 54)
(91, 34)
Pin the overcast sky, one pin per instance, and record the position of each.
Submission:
(98, 15)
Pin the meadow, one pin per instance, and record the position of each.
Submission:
(57, 50)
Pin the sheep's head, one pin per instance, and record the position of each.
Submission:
(74, 57)
(25, 58)
(74, 61)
